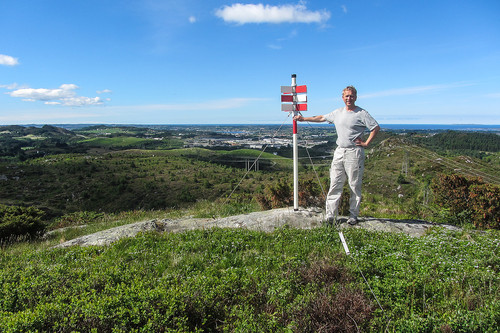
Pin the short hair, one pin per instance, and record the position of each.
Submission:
(351, 88)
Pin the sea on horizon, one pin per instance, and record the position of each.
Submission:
(408, 127)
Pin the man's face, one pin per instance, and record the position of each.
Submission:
(349, 97)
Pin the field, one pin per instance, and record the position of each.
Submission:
(237, 280)
(243, 281)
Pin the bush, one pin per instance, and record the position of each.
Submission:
(486, 209)
(280, 195)
(76, 218)
(277, 195)
(452, 191)
(470, 199)
(20, 221)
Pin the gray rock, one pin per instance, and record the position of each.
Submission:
(109, 236)
(414, 228)
(304, 218)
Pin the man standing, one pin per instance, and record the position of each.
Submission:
(349, 157)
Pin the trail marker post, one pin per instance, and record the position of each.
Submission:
(294, 99)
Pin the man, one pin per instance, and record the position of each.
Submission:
(349, 157)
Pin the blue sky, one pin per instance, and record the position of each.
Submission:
(223, 62)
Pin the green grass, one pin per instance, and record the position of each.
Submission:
(222, 280)
(121, 141)
(281, 162)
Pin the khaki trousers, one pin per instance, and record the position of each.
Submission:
(347, 163)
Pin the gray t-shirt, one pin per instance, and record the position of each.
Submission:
(350, 125)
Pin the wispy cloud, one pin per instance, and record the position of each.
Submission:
(260, 13)
(277, 45)
(493, 95)
(65, 95)
(415, 90)
(105, 91)
(9, 86)
(8, 60)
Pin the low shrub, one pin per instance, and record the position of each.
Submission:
(290, 280)
(20, 221)
(464, 199)
(276, 195)
(452, 191)
(76, 218)
(484, 201)
(311, 194)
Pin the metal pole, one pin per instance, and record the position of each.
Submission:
(295, 148)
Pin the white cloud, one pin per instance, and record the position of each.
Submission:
(9, 86)
(80, 101)
(64, 95)
(104, 91)
(344, 8)
(8, 60)
(260, 13)
(275, 46)
(192, 19)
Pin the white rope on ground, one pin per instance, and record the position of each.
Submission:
(347, 252)
(343, 241)
(357, 328)
(336, 225)
(356, 264)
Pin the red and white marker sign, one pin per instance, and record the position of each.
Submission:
(293, 107)
(289, 89)
(293, 98)
(289, 98)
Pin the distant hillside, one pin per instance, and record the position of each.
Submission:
(124, 180)
(125, 168)
(31, 142)
(45, 131)
(474, 144)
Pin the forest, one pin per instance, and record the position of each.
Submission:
(473, 144)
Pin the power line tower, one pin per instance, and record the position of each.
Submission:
(249, 165)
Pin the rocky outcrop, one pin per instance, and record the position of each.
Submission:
(263, 221)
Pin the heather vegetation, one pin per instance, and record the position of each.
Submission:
(91, 179)
(231, 281)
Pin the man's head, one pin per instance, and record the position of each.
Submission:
(351, 89)
(349, 95)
